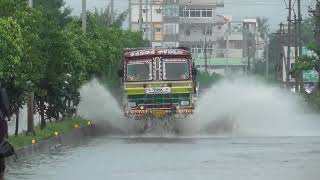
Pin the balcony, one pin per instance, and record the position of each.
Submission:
(171, 19)
(197, 20)
(171, 37)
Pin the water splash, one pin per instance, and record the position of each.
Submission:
(246, 107)
(98, 104)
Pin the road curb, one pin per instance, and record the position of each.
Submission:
(75, 136)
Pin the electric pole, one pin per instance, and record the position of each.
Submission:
(296, 53)
(130, 15)
(84, 16)
(151, 22)
(31, 3)
(228, 43)
(300, 74)
(317, 14)
(140, 17)
(30, 101)
(146, 22)
(267, 54)
(112, 11)
(282, 60)
(289, 46)
(205, 55)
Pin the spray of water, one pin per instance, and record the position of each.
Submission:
(241, 107)
(246, 107)
(98, 104)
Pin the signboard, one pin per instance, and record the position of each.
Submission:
(157, 52)
(310, 76)
(158, 90)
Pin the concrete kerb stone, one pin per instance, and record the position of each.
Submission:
(74, 137)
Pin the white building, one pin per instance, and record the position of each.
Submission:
(216, 42)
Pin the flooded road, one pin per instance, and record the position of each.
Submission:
(180, 158)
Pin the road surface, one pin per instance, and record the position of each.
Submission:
(179, 158)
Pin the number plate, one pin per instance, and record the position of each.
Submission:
(158, 90)
(158, 113)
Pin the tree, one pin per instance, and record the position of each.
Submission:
(263, 26)
(56, 9)
(10, 7)
(104, 17)
(11, 50)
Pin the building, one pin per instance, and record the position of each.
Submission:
(160, 21)
(216, 42)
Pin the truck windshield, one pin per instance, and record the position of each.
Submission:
(139, 71)
(176, 69)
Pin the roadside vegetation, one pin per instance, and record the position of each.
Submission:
(52, 129)
(44, 50)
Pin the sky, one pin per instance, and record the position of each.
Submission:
(274, 10)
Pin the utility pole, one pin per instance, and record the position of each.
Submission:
(130, 15)
(246, 45)
(151, 22)
(228, 44)
(162, 24)
(317, 14)
(289, 46)
(112, 11)
(300, 74)
(84, 16)
(147, 23)
(31, 3)
(30, 101)
(267, 54)
(140, 17)
(296, 53)
(205, 55)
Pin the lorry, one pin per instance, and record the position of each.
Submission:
(158, 85)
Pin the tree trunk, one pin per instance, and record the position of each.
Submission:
(42, 121)
(16, 133)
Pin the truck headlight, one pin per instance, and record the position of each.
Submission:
(185, 103)
(132, 104)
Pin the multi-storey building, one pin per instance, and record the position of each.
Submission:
(159, 21)
(216, 42)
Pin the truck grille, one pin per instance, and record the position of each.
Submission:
(159, 100)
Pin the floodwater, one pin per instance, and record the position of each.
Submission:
(271, 135)
(180, 158)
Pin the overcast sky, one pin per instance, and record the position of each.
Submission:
(275, 10)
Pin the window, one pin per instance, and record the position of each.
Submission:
(139, 71)
(176, 69)
(204, 13)
(207, 31)
(192, 13)
(209, 13)
(188, 32)
(169, 28)
(181, 13)
(158, 30)
(196, 13)
(144, 11)
(158, 11)
(236, 44)
(196, 49)
(172, 11)
(186, 13)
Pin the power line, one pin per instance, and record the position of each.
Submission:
(254, 4)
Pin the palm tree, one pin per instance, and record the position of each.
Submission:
(263, 26)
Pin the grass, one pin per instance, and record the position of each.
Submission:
(49, 131)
